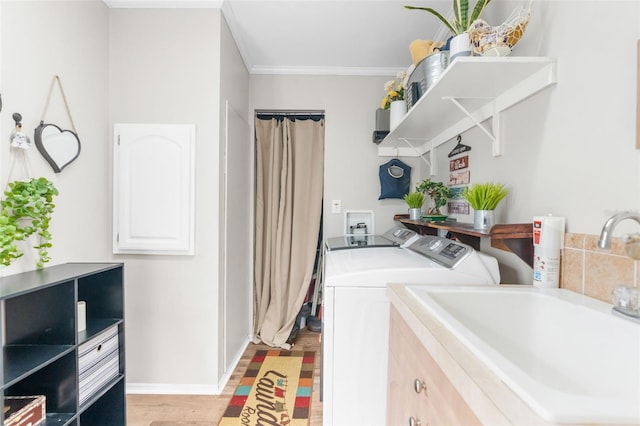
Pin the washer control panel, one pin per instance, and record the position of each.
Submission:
(443, 251)
(401, 236)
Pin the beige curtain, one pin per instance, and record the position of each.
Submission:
(289, 179)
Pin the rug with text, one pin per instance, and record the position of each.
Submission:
(275, 390)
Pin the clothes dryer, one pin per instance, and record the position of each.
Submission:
(356, 316)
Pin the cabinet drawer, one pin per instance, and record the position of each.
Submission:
(98, 362)
(439, 403)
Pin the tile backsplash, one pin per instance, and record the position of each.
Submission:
(589, 270)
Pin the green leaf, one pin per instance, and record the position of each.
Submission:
(27, 208)
(437, 15)
(477, 11)
(484, 196)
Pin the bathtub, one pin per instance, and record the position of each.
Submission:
(566, 355)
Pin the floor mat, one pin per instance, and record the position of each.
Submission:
(276, 390)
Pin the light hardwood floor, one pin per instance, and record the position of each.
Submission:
(206, 410)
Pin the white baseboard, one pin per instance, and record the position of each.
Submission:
(171, 389)
(227, 375)
(188, 389)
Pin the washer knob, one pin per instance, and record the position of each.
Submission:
(434, 244)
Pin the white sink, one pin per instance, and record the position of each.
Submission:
(564, 354)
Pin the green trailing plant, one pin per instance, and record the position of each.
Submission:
(462, 20)
(484, 196)
(437, 191)
(414, 200)
(27, 207)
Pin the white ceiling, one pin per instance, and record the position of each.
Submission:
(347, 37)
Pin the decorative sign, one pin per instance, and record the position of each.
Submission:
(458, 207)
(459, 177)
(459, 163)
(455, 193)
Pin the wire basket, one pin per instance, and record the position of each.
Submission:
(498, 41)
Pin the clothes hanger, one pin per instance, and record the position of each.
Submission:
(459, 148)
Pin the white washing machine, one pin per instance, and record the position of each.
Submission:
(356, 316)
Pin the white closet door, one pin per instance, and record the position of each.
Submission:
(153, 188)
(237, 237)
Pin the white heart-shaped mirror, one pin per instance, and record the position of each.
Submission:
(59, 147)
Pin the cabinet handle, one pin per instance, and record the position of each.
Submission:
(419, 385)
(413, 421)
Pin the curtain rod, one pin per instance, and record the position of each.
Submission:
(290, 112)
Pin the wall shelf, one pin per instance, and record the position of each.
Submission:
(513, 237)
(471, 90)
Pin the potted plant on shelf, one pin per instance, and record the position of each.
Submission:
(483, 199)
(438, 192)
(462, 20)
(394, 99)
(414, 200)
(26, 210)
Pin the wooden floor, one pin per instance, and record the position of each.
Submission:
(206, 410)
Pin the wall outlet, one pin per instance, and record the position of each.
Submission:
(336, 206)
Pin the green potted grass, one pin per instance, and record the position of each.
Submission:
(483, 199)
(414, 200)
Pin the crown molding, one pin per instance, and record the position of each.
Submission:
(163, 4)
(321, 70)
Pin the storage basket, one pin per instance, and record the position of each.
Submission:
(425, 75)
(98, 362)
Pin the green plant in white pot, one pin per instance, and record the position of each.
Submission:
(462, 20)
(27, 207)
(483, 199)
(415, 201)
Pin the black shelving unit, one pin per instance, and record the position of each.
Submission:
(41, 340)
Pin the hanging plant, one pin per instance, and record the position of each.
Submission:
(26, 210)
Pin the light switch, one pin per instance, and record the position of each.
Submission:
(336, 205)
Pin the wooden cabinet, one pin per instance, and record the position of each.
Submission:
(40, 349)
(153, 188)
(419, 393)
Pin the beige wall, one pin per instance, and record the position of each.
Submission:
(131, 65)
(569, 150)
(165, 69)
(351, 158)
(235, 312)
(70, 39)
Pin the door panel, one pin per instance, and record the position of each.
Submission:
(237, 234)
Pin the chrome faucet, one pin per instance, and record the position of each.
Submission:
(626, 299)
(605, 236)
